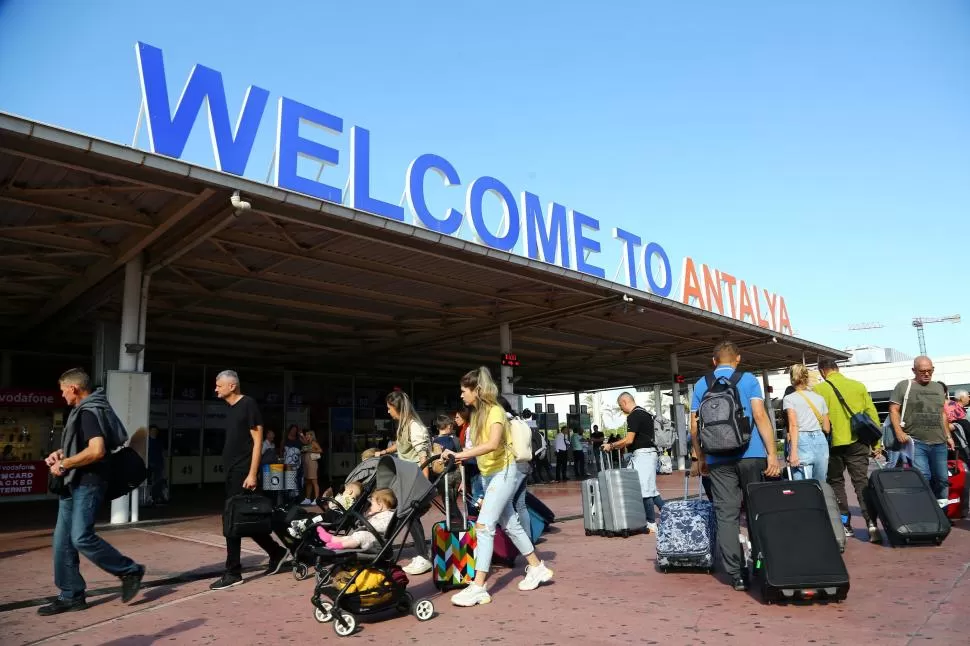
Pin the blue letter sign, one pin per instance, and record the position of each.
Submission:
(414, 189)
(167, 133)
(290, 146)
(549, 234)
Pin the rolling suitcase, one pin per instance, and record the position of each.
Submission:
(539, 507)
(907, 508)
(453, 548)
(835, 516)
(686, 533)
(795, 554)
(504, 551)
(957, 499)
(623, 512)
(592, 506)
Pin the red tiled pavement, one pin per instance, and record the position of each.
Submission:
(606, 590)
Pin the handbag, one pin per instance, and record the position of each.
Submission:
(314, 456)
(126, 471)
(247, 515)
(889, 441)
(866, 431)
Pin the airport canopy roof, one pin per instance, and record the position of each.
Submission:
(305, 284)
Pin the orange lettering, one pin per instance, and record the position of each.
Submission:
(692, 287)
(783, 322)
(731, 281)
(772, 301)
(757, 307)
(744, 304)
(712, 290)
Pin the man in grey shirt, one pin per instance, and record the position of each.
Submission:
(924, 423)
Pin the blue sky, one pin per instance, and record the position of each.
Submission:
(820, 150)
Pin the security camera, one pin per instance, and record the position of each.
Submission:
(238, 203)
(627, 298)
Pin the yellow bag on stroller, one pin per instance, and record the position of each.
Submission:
(370, 586)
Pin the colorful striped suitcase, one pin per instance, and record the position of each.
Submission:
(453, 549)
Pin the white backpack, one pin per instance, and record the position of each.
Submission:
(521, 439)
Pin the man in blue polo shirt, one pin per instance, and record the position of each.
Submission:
(731, 474)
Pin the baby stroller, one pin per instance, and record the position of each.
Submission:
(365, 582)
(334, 518)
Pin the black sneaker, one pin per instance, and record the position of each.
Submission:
(227, 581)
(740, 583)
(131, 584)
(275, 565)
(59, 605)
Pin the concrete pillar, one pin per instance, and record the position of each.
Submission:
(677, 411)
(125, 508)
(769, 405)
(506, 373)
(658, 401)
(104, 349)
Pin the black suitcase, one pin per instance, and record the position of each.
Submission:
(907, 508)
(796, 556)
(247, 515)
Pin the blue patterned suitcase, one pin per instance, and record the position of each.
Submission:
(686, 534)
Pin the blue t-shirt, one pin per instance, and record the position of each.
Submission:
(748, 389)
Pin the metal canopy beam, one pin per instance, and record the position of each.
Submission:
(128, 249)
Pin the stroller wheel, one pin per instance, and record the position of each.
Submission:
(405, 604)
(345, 624)
(323, 577)
(300, 571)
(424, 610)
(323, 614)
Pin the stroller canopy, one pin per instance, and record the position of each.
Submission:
(406, 480)
(364, 471)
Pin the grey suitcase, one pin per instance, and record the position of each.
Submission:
(623, 512)
(592, 507)
(834, 514)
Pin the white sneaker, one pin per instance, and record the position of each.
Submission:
(651, 528)
(418, 565)
(534, 575)
(306, 501)
(473, 595)
(942, 502)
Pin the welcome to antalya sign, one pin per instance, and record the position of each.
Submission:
(556, 235)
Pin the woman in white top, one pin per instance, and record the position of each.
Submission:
(808, 426)
(412, 443)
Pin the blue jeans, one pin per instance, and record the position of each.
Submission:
(498, 509)
(930, 459)
(644, 462)
(813, 456)
(74, 534)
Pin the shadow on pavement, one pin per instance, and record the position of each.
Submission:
(164, 635)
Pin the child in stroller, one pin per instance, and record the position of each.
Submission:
(383, 502)
(363, 581)
(332, 509)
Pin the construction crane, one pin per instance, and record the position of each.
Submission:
(874, 325)
(920, 321)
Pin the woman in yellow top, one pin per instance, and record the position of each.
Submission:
(501, 478)
(412, 443)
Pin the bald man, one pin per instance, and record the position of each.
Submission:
(924, 423)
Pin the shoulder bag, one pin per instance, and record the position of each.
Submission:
(889, 441)
(865, 430)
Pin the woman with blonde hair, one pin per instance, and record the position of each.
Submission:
(808, 426)
(412, 443)
(312, 452)
(501, 478)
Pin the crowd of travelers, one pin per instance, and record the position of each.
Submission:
(820, 443)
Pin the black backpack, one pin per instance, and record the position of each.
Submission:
(724, 429)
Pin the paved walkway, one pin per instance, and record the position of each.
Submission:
(606, 591)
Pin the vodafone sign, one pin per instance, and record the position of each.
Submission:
(21, 397)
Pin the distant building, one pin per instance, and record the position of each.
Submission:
(867, 354)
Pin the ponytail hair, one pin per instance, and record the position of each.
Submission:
(486, 394)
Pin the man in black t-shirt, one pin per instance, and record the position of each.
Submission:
(240, 459)
(82, 462)
(640, 440)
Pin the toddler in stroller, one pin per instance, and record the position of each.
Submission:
(367, 580)
(332, 509)
(383, 502)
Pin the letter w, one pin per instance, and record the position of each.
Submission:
(551, 232)
(167, 134)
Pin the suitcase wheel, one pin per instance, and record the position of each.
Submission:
(589, 533)
(625, 534)
(938, 541)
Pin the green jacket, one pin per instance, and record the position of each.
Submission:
(856, 397)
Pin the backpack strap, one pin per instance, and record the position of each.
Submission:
(736, 378)
(709, 379)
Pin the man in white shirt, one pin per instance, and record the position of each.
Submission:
(562, 454)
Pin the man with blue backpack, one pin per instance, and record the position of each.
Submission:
(735, 445)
